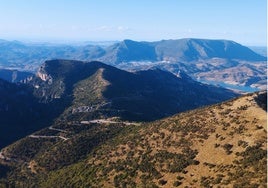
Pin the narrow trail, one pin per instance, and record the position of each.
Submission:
(42, 136)
(60, 130)
(99, 121)
(51, 128)
(103, 121)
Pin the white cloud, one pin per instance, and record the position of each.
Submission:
(122, 28)
(104, 28)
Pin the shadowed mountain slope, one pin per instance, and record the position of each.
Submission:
(144, 95)
(20, 112)
(65, 90)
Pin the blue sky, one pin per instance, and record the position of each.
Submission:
(244, 21)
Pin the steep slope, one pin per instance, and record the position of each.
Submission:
(20, 112)
(72, 91)
(181, 50)
(26, 108)
(262, 50)
(100, 90)
(195, 49)
(221, 145)
(129, 50)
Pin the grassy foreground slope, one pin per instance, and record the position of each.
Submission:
(223, 145)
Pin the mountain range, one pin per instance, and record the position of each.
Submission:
(182, 50)
(75, 91)
(199, 58)
(87, 83)
(148, 124)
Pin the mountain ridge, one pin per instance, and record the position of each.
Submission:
(155, 51)
(121, 87)
(187, 49)
(89, 124)
(66, 90)
(193, 56)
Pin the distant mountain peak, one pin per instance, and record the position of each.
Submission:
(186, 50)
(190, 49)
(191, 55)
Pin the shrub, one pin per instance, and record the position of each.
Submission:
(177, 183)
(162, 182)
(242, 143)
(228, 148)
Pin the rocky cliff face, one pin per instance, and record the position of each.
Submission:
(43, 76)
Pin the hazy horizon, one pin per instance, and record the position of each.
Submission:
(57, 41)
(243, 21)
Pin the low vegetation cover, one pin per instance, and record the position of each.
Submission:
(217, 146)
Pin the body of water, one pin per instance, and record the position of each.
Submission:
(247, 89)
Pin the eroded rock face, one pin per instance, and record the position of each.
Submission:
(44, 76)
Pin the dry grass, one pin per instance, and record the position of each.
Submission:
(218, 146)
(220, 133)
